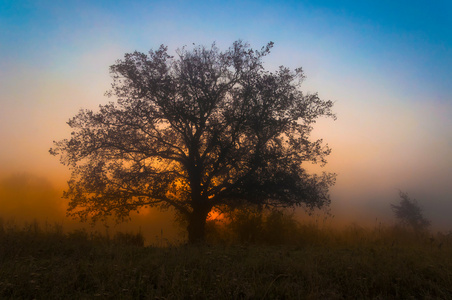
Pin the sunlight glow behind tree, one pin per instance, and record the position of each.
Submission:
(200, 131)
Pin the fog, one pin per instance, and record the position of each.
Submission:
(386, 68)
(25, 198)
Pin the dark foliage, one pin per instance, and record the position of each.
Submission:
(205, 129)
(262, 226)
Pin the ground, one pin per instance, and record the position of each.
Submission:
(350, 264)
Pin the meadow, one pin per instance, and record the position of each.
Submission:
(273, 257)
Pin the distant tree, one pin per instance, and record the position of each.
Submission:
(205, 129)
(409, 213)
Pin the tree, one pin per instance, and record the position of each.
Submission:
(409, 213)
(200, 130)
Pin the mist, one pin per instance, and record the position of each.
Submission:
(386, 70)
(25, 198)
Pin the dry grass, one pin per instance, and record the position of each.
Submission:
(356, 263)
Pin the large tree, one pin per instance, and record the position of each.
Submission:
(200, 130)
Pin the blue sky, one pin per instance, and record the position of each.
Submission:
(407, 43)
(386, 64)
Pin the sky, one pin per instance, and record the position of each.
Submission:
(385, 64)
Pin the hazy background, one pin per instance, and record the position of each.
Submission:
(387, 65)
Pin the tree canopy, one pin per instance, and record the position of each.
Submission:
(199, 130)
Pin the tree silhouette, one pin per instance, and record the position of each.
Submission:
(200, 130)
(409, 213)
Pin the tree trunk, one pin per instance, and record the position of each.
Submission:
(197, 226)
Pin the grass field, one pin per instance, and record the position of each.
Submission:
(354, 263)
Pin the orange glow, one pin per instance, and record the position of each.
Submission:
(215, 215)
(144, 211)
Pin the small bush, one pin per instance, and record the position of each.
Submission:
(246, 226)
(279, 227)
(129, 239)
(253, 226)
